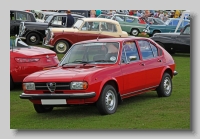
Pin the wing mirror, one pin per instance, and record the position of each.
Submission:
(132, 58)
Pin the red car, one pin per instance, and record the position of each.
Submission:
(102, 72)
(25, 60)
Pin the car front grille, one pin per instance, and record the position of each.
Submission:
(20, 29)
(59, 86)
(48, 35)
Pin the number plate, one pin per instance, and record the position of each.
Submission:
(53, 101)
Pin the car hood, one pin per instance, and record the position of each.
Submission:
(63, 74)
(33, 51)
(35, 24)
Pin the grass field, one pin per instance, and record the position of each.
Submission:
(145, 111)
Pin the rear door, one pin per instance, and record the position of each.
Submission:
(152, 62)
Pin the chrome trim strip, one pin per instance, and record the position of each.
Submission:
(57, 96)
(139, 90)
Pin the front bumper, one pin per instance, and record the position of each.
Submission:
(175, 73)
(45, 44)
(57, 96)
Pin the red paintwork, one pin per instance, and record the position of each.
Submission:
(141, 21)
(74, 37)
(132, 77)
(19, 71)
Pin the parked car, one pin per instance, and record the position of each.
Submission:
(102, 72)
(174, 42)
(169, 26)
(155, 21)
(131, 24)
(34, 32)
(25, 59)
(61, 39)
(43, 15)
(16, 17)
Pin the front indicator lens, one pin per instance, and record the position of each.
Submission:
(28, 86)
(78, 85)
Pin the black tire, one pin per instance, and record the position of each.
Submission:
(42, 108)
(32, 39)
(156, 31)
(108, 96)
(134, 32)
(165, 87)
(11, 83)
(59, 44)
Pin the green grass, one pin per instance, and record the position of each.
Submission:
(145, 111)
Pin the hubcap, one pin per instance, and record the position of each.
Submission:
(110, 100)
(61, 47)
(134, 32)
(33, 39)
(167, 85)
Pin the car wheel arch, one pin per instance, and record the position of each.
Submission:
(112, 82)
(38, 33)
(166, 70)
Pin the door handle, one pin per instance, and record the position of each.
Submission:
(142, 64)
(159, 60)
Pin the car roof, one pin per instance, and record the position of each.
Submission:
(114, 39)
(21, 11)
(66, 14)
(127, 15)
(100, 19)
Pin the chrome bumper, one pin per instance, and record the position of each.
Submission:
(175, 73)
(57, 96)
(44, 44)
(23, 38)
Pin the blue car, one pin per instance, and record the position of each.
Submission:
(169, 26)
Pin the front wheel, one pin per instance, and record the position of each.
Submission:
(165, 87)
(108, 100)
(61, 47)
(39, 108)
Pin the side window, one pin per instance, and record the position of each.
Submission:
(12, 15)
(145, 49)
(185, 23)
(129, 19)
(119, 18)
(90, 26)
(59, 20)
(175, 22)
(21, 16)
(130, 52)
(109, 27)
(187, 30)
(154, 49)
(171, 23)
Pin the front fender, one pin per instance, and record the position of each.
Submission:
(34, 31)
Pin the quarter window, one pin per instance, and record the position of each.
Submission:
(187, 30)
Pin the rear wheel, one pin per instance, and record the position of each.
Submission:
(108, 100)
(42, 108)
(61, 47)
(165, 87)
(135, 32)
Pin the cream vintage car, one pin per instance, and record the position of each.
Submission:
(61, 39)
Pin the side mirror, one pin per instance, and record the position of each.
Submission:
(132, 58)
